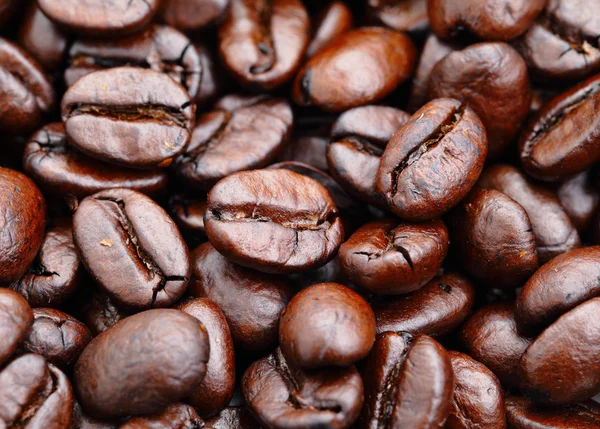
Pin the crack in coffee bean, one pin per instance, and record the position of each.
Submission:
(164, 114)
(265, 44)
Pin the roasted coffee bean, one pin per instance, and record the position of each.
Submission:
(82, 421)
(580, 199)
(233, 417)
(193, 15)
(554, 232)
(23, 219)
(563, 43)
(334, 19)
(216, 390)
(100, 313)
(142, 364)
(521, 414)
(433, 161)
(561, 365)
(240, 133)
(214, 81)
(129, 116)
(57, 337)
(308, 148)
(188, 213)
(275, 221)
(27, 96)
(400, 15)
(331, 272)
(360, 67)
(282, 396)
(64, 171)
(16, 319)
(56, 272)
(495, 239)
(491, 337)
(386, 257)
(34, 394)
(498, 20)
(175, 416)
(132, 248)
(437, 308)
(251, 301)
(262, 42)
(478, 399)
(358, 139)
(408, 383)
(326, 325)
(96, 18)
(562, 139)
(492, 79)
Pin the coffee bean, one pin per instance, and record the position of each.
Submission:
(214, 80)
(188, 213)
(100, 313)
(400, 15)
(175, 416)
(193, 15)
(521, 414)
(233, 417)
(16, 318)
(82, 421)
(334, 19)
(132, 248)
(580, 199)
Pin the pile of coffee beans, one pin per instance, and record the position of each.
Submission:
(299, 214)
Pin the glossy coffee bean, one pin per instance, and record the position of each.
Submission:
(233, 417)
(432, 162)
(142, 364)
(522, 414)
(193, 15)
(175, 416)
(34, 394)
(498, 20)
(64, 171)
(27, 96)
(128, 116)
(57, 337)
(492, 79)
(335, 19)
(188, 213)
(408, 383)
(94, 18)
(358, 139)
(240, 133)
(491, 337)
(580, 199)
(216, 390)
(358, 68)
(16, 318)
(386, 257)
(495, 239)
(562, 139)
(131, 248)
(251, 301)
(282, 396)
(554, 232)
(436, 309)
(400, 15)
(326, 325)
(557, 287)
(275, 221)
(101, 312)
(263, 42)
(478, 399)
(23, 214)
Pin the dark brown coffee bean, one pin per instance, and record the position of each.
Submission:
(132, 248)
(27, 96)
(142, 364)
(274, 221)
(408, 383)
(331, 272)
(388, 258)
(554, 232)
(262, 42)
(562, 140)
(96, 18)
(64, 171)
(240, 133)
(188, 213)
(308, 148)
(57, 336)
(400, 15)
(499, 20)
(478, 399)
(334, 19)
(492, 79)
(251, 301)
(326, 325)
(521, 414)
(495, 239)
(193, 15)
(282, 396)
(580, 199)
(16, 319)
(491, 337)
(437, 308)
(216, 390)
(359, 137)
(233, 417)
(22, 223)
(214, 80)
(360, 67)
(82, 421)
(100, 313)
(175, 416)
(433, 161)
(129, 116)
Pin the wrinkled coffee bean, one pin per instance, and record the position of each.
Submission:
(521, 414)
(400, 15)
(193, 15)
(334, 19)
(580, 199)
(16, 319)
(100, 313)
(175, 416)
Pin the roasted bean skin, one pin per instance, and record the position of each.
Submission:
(16, 319)
(522, 414)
